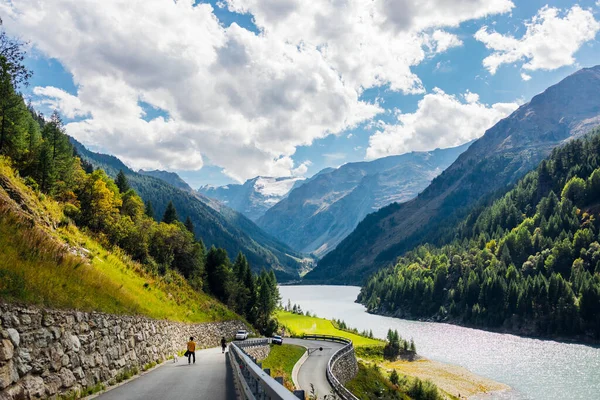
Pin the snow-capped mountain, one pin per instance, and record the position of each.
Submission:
(317, 216)
(255, 196)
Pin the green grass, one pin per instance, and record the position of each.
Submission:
(281, 361)
(37, 268)
(371, 353)
(370, 384)
(297, 324)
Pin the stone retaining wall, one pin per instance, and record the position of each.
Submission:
(345, 368)
(258, 352)
(48, 353)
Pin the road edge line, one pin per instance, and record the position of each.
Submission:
(297, 366)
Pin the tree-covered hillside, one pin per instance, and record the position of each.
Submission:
(528, 263)
(222, 228)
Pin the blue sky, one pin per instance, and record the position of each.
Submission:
(233, 151)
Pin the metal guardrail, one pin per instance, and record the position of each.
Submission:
(254, 383)
(252, 343)
(340, 389)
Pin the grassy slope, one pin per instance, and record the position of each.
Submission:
(300, 324)
(281, 361)
(369, 384)
(38, 266)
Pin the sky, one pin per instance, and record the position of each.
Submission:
(223, 91)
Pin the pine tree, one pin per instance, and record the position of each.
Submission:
(189, 225)
(412, 348)
(56, 168)
(250, 284)
(394, 378)
(148, 209)
(13, 73)
(170, 214)
(218, 273)
(122, 182)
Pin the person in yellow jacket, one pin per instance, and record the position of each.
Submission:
(191, 350)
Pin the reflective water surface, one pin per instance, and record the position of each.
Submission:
(535, 369)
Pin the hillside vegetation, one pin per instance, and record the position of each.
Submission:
(214, 224)
(48, 262)
(529, 262)
(281, 361)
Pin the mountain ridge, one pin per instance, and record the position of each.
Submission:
(171, 178)
(503, 154)
(319, 214)
(255, 196)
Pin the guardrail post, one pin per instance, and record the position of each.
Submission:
(268, 372)
(300, 394)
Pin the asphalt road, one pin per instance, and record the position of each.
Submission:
(313, 369)
(208, 379)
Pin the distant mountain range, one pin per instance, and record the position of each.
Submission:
(255, 196)
(317, 215)
(505, 153)
(170, 177)
(216, 224)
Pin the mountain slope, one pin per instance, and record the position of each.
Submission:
(224, 228)
(170, 177)
(529, 262)
(255, 196)
(47, 261)
(505, 153)
(318, 215)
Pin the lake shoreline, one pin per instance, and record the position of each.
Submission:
(530, 366)
(453, 380)
(584, 341)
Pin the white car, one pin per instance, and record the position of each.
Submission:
(276, 339)
(242, 334)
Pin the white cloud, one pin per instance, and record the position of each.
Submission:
(440, 41)
(550, 41)
(241, 100)
(441, 120)
(370, 42)
(302, 169)
(525, 77)
(471, 97)
(57, 99)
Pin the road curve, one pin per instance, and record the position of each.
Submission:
(208, 379)
(314, 368)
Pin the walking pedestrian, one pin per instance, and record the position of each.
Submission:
(223, 344)
(191, 350)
